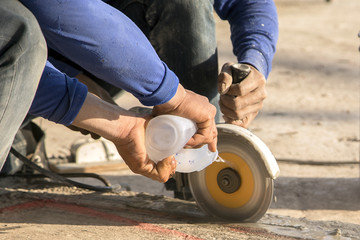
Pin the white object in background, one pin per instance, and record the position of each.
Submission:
(87, 150)
(166, 135)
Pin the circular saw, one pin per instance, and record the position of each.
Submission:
(240, 186)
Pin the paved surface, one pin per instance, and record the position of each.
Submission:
(43, 211)
(310, 122)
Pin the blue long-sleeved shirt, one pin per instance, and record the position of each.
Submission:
(106, 43)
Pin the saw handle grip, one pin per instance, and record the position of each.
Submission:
(239, 72)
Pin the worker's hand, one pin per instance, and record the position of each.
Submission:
(127, 131)
(193, 106)
(131, 147)
(240, 103)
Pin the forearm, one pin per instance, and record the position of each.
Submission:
(254, 30)
(105, 119)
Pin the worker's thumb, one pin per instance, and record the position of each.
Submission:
(224, 79)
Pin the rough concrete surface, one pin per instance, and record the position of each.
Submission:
(310, 122)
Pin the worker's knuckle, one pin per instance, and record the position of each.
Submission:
(239, 114)
(242, 89)
(212, 112)
(163, 179)
(262, 81)
(215, 132)
(264, 94)
(238, 104)
(221, 77)
(261, 104)
(138, 168)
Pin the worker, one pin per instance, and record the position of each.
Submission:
(104, 41)
(65, 100)
(183, 34)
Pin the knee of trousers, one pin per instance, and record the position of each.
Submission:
(178, 25)
(197, 14)
(194, 9)
(31, 40)
(183, 13)
(22, 41)
(21, 29)
(22, 46)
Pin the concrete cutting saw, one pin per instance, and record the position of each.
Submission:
(240, 188)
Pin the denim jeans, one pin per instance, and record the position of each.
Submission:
(22, 60)
(183, 34)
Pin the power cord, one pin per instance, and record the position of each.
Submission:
(62, 179)
(316, 163)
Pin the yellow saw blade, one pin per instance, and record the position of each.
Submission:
(238, 189)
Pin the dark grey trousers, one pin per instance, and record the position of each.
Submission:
(22, 60)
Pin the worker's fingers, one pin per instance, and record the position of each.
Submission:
(252, 82)
(225, 79)
(240, 102)
(197, 108)
(160, 171)
(245, 122)
(236, 113)
(84, 132)
(206, 133)
(166, 168)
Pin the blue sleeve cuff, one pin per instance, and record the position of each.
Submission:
(59, 97)
(69, 109)
(255, 58)
(164, 92)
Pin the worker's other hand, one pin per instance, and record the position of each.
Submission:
(132, 149)
(193, 106)
(240, 103)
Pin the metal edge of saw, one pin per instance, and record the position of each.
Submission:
(240, 188)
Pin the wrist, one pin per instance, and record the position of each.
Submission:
(256, 59)
(173, 103)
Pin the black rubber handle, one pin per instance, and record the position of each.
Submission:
(239, 72)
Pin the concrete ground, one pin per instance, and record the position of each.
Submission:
(310, 122)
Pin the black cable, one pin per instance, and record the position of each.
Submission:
(60, 178)
(316, 163)
(67, 175)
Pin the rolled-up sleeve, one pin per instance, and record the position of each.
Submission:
(254, 30)
(59, 97)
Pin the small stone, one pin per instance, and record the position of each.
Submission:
(336, 232)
